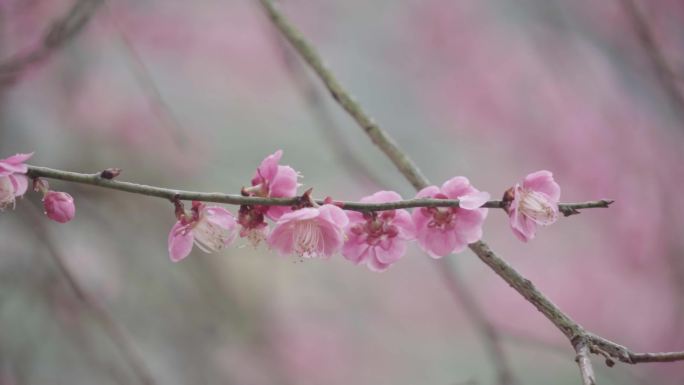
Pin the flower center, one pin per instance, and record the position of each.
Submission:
(538, 207)
(376, 230)
(307, 238)
(6, 192)
(210, 237)
(442, 217)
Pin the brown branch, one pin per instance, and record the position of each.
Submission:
(97, 179)
(58, 34)
(572, 330)
(584, 362)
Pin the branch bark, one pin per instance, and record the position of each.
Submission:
(235, 199)
(570, 328)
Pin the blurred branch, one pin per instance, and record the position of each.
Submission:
(234, 199)
(491, 336)
(315, 104)
(142, 74)
(337, 142)
(667, 77)
(572, 330)
(60, 32)
(111, 328)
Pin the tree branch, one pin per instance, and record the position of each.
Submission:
(235, 199)
(59, 33)
(572, 330)
(584, 362)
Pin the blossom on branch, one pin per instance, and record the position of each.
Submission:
(211, 228)
(444, 230)
(13, 181)
(310, 232)
(534, 203)
(378, 239)
(274, 181)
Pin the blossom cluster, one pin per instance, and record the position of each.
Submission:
(377, 239)
(59, 206)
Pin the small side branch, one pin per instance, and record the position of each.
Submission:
(584, 361)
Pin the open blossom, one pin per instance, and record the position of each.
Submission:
(211, 228)
(310, 232)
(270, 180)
(13, 182)
(378, 239)
(534, 203)
(444, 230)
(275, 181)
(59, 206)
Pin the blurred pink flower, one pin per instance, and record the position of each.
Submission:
(59, 206)
(211, 228)
(14, 164)
(274, 180)
(13, 183)
(310, 232)
(444, 230)
(534, 203)
(378, 239)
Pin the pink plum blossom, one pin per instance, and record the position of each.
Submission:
(534, 203)
(378, 239)
(444, 230)
(211, 228)
(13, 182)
(270, 180)
(310, 232)
(275, 181)
(59, 206)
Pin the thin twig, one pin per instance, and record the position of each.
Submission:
(570, 328)
(584, 362)
(56, 36)
(235, 199)
(666, 76)
(106, 321)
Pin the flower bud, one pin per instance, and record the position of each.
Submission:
(59, 206)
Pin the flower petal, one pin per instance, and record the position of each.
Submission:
(180, 242)
(542, 181)
(457, 187)
(473, 200)
(20, 183)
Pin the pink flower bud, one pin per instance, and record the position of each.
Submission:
(59, 206)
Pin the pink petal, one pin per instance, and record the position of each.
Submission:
(468, 224)
(404, 223)
(20, 184)
(428, 192)
(334, 215)
(299, 215)
(438, 243)
(276, 212)
(355, 249)
(457, 187)
(17, 158)
(390, 251)
(377, 266)
(268, 168)
(180, 242)
(522, 227)
(542, 181)
(283, 183)
(382, 197)
(333, 239)
(281, 239)
(473, 200)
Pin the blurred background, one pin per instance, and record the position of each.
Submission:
(193, 95)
